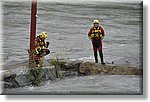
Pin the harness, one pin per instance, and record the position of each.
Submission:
(39, 45)
(39, 42)
(97, 33)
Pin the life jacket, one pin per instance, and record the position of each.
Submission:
(97, 32)
(39, 42)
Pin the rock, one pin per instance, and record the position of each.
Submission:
(69, 73)
(71, 68)
(89, 68)
(6, 73)
(20, 78)
(17, 77)
(72, 65)
(10, 82)
(49, 73)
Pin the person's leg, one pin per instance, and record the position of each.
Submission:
(95, 52)
(45, 52)
(37, 60)
(95, 56)
(101, 56)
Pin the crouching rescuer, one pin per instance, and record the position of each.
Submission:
(41, 47)
(96, 35)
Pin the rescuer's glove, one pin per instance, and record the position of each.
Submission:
(92, 35)
(102, 37)
(47, 44)
(37, 50)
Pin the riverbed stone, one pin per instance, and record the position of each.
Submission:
(89, 68)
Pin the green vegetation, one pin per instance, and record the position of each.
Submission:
(35, 75)
(58, 61)
(57, 64)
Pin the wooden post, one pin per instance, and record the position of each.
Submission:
(32, 33)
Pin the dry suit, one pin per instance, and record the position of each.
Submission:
(41, 49)
(96, 34)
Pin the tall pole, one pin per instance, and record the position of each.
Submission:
(32, 32)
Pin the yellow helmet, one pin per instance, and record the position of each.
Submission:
(43, 35)
(96, 21)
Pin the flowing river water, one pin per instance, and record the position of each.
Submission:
(67, 25)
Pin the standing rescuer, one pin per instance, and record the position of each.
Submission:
(96, 35)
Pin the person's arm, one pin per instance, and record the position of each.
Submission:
(103, 33)
(47, 44)
(36, 42)
(89, 34)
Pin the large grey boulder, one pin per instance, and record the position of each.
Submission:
(18, 77)
(71, 68)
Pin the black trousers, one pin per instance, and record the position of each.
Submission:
(96, 56)
(97, 46)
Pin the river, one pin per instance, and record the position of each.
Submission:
(67, 25)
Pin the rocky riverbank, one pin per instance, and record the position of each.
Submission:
(18, 77)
